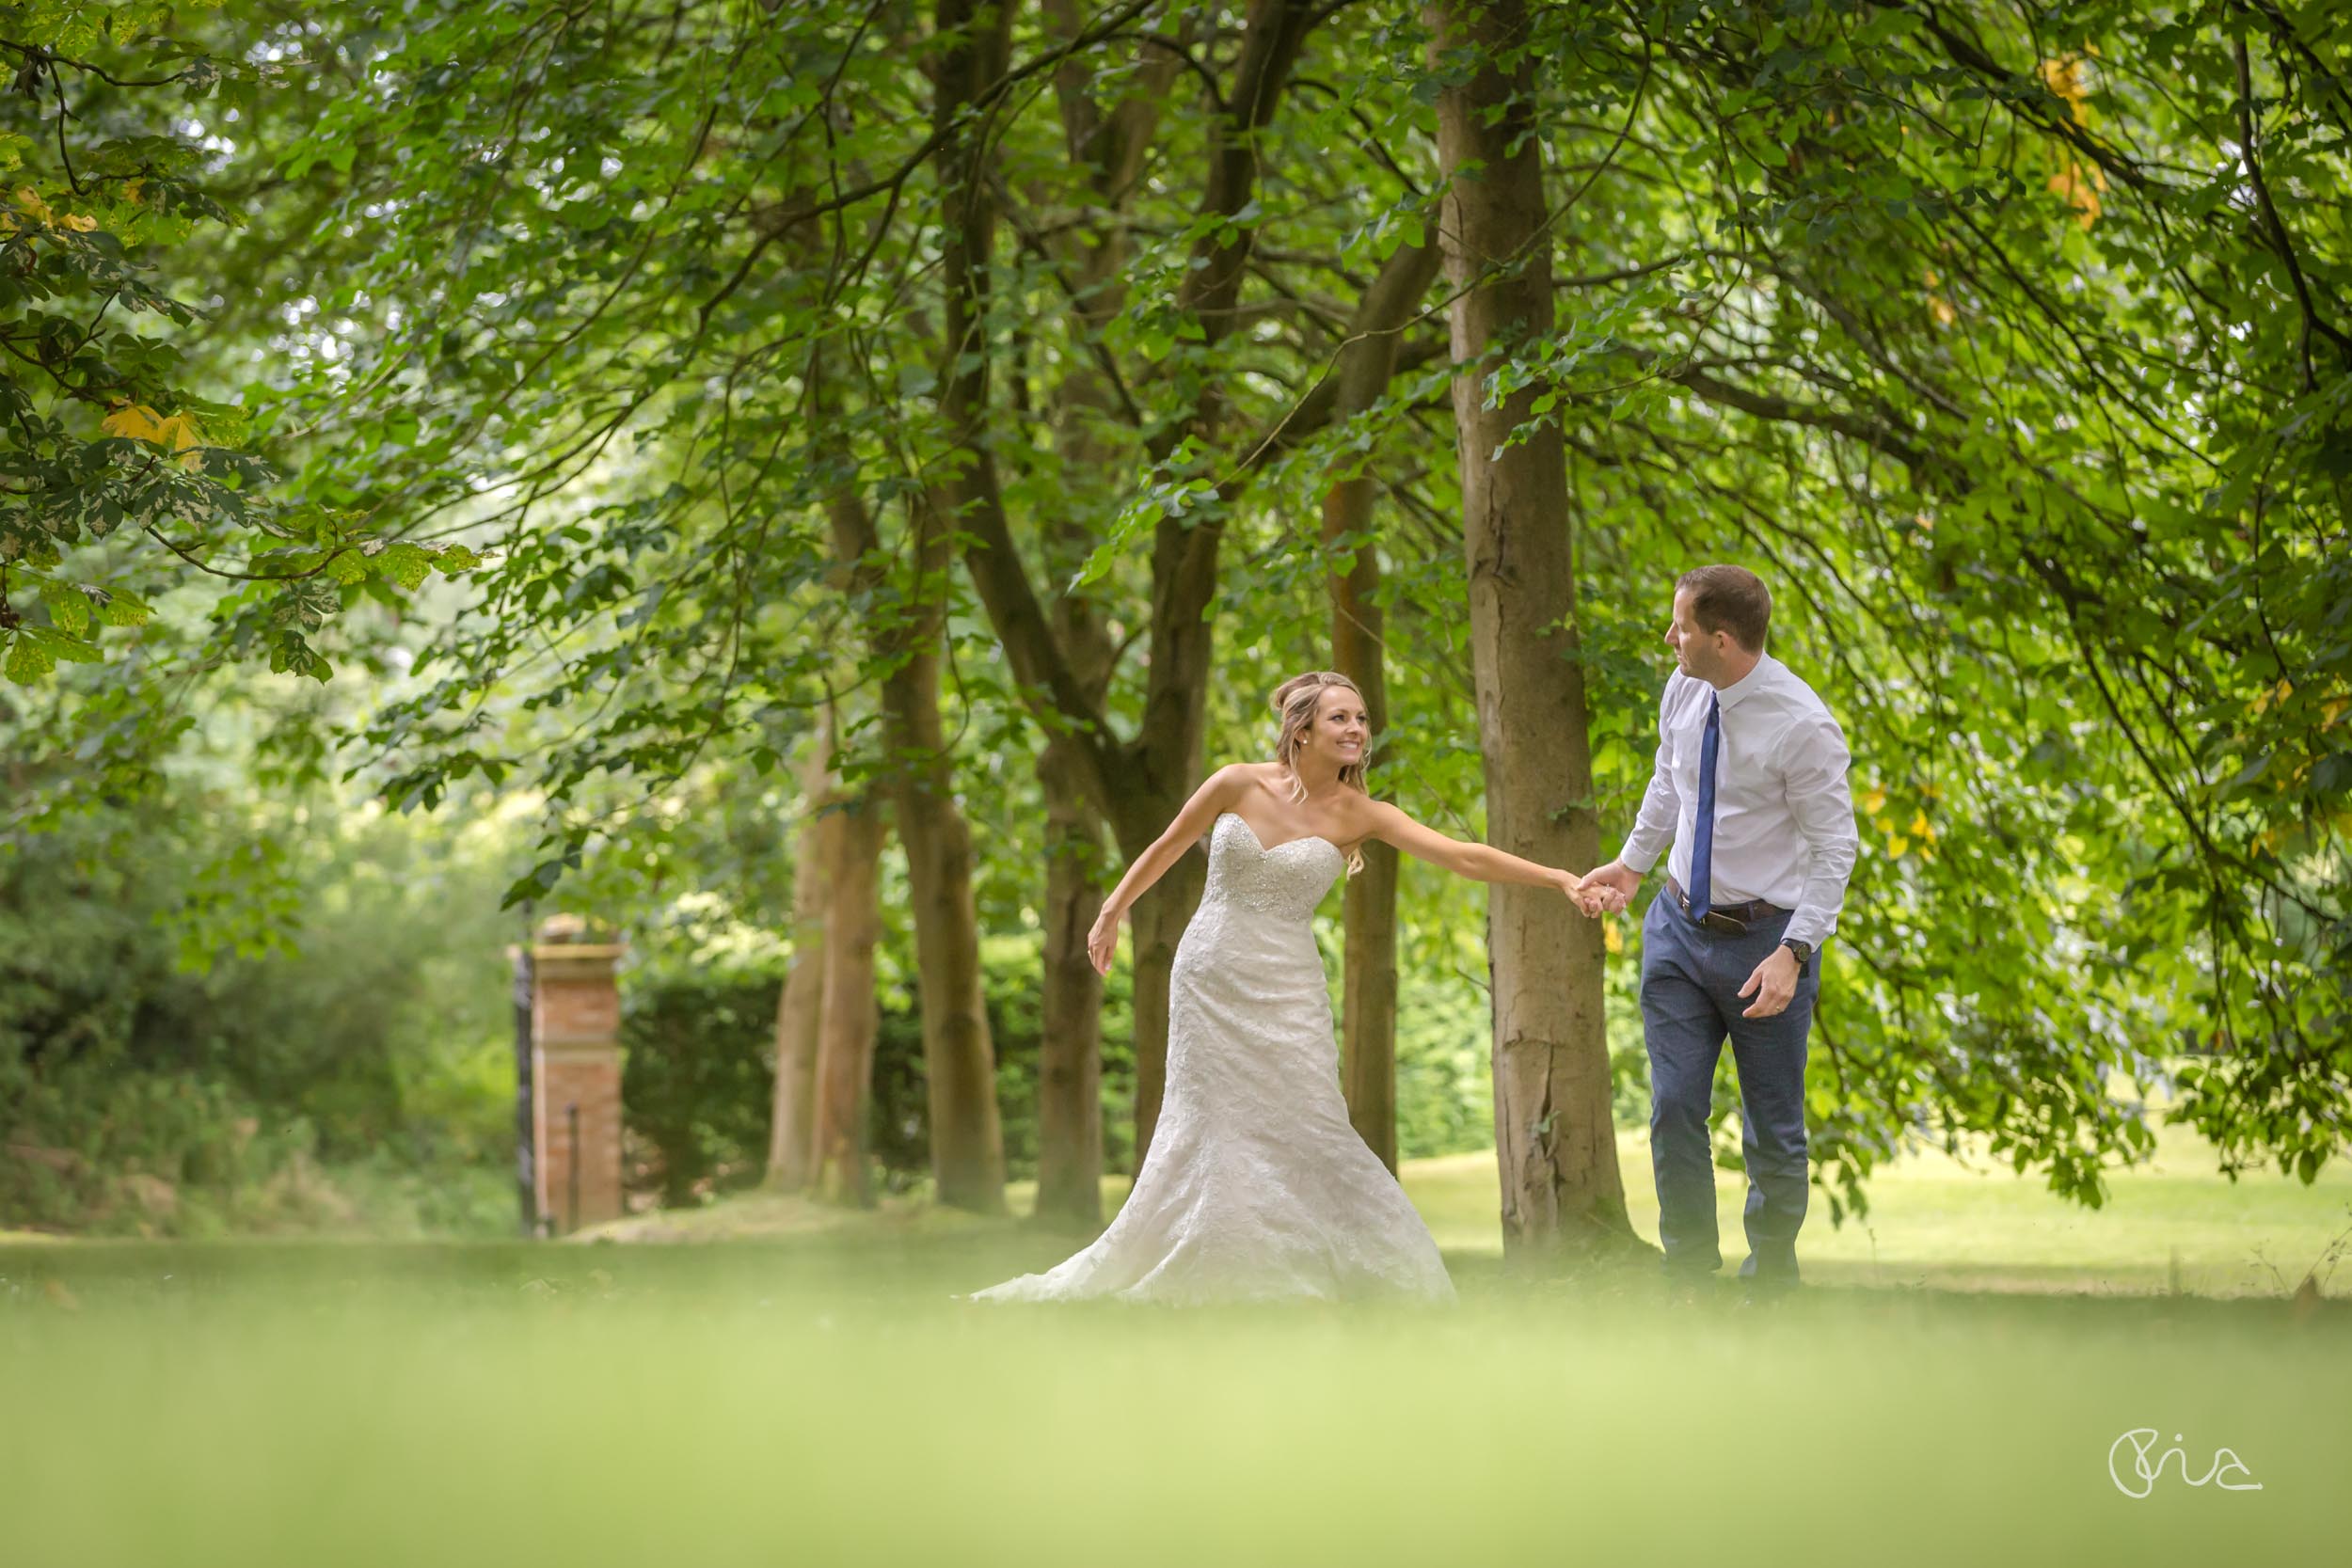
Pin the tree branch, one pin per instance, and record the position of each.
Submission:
(2279, 240)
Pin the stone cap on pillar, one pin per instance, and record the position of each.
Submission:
(564, 952)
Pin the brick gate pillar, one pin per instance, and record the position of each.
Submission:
(575, 1077)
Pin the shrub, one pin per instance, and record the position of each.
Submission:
(162, 1072)
(699, 1076)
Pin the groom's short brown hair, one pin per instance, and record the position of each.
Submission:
(1729, 599)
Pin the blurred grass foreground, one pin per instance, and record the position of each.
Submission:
(802, 1389)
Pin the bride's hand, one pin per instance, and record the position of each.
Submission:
(1573, 885)
(1103, 941)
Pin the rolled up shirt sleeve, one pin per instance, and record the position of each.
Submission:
(1821, 801)
(1662, 804)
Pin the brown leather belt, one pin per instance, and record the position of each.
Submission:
(1730, 919)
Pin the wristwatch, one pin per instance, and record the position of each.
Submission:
(1803, 950)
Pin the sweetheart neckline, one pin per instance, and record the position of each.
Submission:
(1264, 848)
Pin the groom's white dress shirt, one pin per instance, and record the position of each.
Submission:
(1784, 816)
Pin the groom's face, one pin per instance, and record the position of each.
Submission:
(1701, 653)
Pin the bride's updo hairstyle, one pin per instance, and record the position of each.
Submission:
(1295, 701)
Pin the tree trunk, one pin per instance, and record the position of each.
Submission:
(1185, 550)
(958, 1056)
(845, 1049)
(1368, 990)
(1111, 142)
(1553, 1136)
(906, 624)
(799, 1011)
(959, 1060)
(1070, 1051)
(1368, 1006)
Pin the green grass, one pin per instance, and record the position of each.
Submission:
(802, 1390)
(821, 1401)
(2172, 1224)
(1969, 1224)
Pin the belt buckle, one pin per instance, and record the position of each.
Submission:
(1712, 921)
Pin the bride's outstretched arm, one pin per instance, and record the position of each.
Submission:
(1220, 792)
(1481, 862)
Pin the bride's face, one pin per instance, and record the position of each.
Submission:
(1340, 731)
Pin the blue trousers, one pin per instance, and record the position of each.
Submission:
(1690, 980)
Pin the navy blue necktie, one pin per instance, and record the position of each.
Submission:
(1703, 844)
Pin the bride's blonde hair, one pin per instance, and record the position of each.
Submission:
(1295, 701)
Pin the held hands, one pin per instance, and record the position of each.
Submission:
(1606, 889)
(1775, 982)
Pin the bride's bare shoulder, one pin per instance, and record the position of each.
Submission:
(1228, 786)
(1246, 776)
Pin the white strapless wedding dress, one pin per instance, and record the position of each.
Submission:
(1256, 1186)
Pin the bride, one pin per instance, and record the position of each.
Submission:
(1256, 1186)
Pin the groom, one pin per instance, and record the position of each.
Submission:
(1750, 789)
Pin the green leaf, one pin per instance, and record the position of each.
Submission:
(67, 606)
(121, 608)
(405, 564)
(57, 645)
(28, 661)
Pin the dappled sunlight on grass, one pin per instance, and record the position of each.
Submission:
(2173, 1222)
(1972, 1223)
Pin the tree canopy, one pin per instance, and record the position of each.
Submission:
(529, 366)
